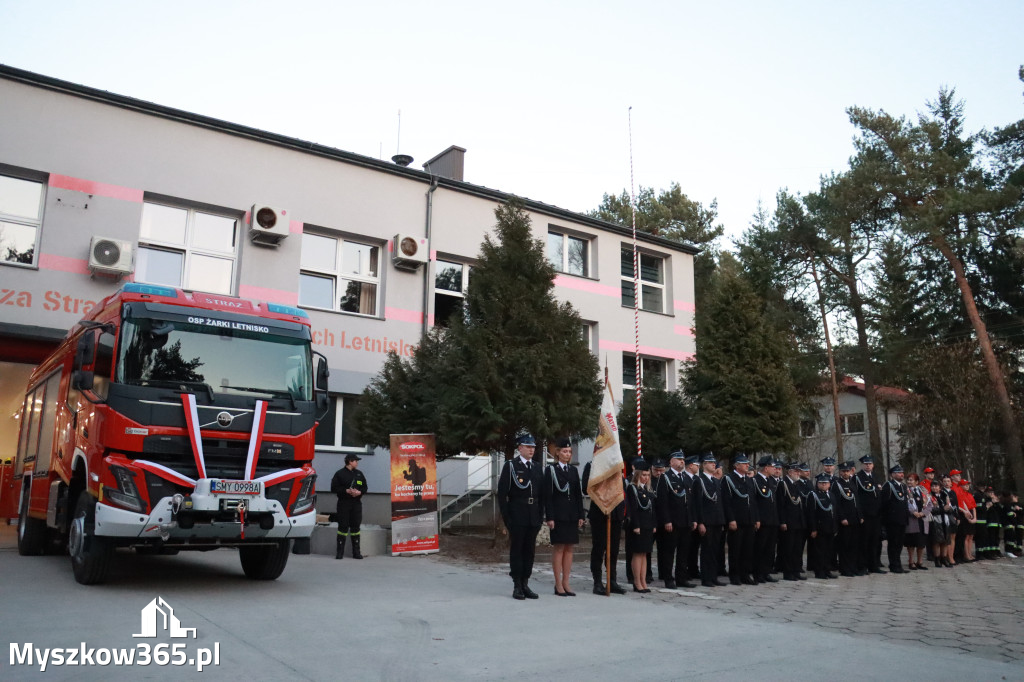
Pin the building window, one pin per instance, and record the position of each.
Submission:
(21, 216)
(569, 254)
(336, 429)
(589, 332)
(451, 280)
(339, 274)
(653, 373)
(852, 423)
(808, 428)
(187, 248)
(652, 281)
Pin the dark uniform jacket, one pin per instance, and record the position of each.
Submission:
(562, 494)
(640, 512)
(594, 513)
(868, 498)
(738, 499)
(707, 501)
(893, 504)
(764, 496)
(674, 500)
(791, 505)
(345, 479)
(845, 499)
(821, 514)
(519, 493)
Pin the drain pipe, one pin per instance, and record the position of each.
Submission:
(426, 271)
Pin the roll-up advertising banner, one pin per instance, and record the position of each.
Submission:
(413, 494)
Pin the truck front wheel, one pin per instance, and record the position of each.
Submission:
(90, 555)
(264, 562)
(31, 532)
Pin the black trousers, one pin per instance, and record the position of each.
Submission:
(522, 544)
(599, 531)
(692, 565)
(791, 550)
(741, 552)
(822, 547)
(673, 553)
(350, 517)
(871, 544)
(848, 548)
(765, 540)
(894, 546)
(710, 543)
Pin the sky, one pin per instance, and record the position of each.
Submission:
(732, 100)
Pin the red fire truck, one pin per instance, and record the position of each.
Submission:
(169, 420)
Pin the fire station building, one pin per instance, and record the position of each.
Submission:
(99, 188)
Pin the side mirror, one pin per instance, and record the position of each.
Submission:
(323, 402)
(322, 373)
(82, 380)
(85, 352)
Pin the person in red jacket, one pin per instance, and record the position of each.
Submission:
(968, 506)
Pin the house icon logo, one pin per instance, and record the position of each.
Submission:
(158, 615)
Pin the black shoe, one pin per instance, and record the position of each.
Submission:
(847, 574)
(686, 584)
(618, 589)
(670, 584)
(637, 589)
(719, 582)
(879, 571)
(528, 593)
(560, 594)
(912, 567)
(790, 577)
(922, 567)
(517, 591)
(735, 581)
(768, 579)
(570, 594)
(898, 569)
(708, 583)
(831, 576)
(748, 580)
(599, 589)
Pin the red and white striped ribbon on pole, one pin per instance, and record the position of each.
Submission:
(188, 401)
(259, 418)
(636, 295)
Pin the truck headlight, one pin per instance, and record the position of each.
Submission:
(307, 495)
(126, 494)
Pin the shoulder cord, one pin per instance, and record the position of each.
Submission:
(682, 487)
(817, 500)
(794, 499)
(515, 479)
(554, 481)
(704, 489)
(896, 491)
(732, 485)
(867, 490)
(636, 496)
(845, 495)
(767, 487)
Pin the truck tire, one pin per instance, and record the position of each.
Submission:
(264, 562)
(90, 555)
(31, 532)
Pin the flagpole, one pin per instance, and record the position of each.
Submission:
(636, 295)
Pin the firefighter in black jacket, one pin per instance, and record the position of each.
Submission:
(821, 525)
(895, 514)
(519, 490)
(710, 517)
(792, 524)
(849, 519)
(674, 523)
(742, 520)
(349, 485)
(869, 501)
(599, 538)
(767, 534)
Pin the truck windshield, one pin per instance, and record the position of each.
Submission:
(156, 352)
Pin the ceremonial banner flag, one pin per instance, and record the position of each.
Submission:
(413, 494)
(605, 484)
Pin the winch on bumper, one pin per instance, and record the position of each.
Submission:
(216, 509)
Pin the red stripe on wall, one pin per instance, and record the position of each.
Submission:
(646, 350)
(295, 226)
(588, 286)
(683, 330)
(101, 189)
(271, 295)
(685, 306)
(78, 266)
(401, 315)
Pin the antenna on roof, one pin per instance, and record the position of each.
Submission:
(399, 158)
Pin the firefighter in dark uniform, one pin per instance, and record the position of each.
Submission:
(767, 534)
(821, 525)
(691, 469)
(849, 521)
(710, 518)
(599, 539)
(641, 464)
(674, 523)
(869, 501)
(742, 520)
(349, 485)
(519, 490)
(895, 514)
(792, 524)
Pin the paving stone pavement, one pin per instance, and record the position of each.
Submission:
(976, 608)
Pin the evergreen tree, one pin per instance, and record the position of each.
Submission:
(739, 389)
(515, 360)
(664, 416)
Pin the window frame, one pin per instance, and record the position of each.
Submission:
(24, 221)
(338, 273)
(810, 432)
(338, 403)
(187, 249)
(627, 280)
(629, 360)
(844, 422)
(467, 271)
(563, 267)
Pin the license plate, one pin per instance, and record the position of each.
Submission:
(224, 487)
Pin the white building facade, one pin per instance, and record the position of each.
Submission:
(177, 192)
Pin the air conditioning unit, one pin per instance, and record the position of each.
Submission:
(409, 252)
(111, 256)
(267, 225)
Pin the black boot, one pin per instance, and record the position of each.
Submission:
(517, 590)
(340, 554)
(356, 554)
(527, 592)
(599, 588)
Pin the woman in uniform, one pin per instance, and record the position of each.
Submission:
(562, 497)
(641, 520)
